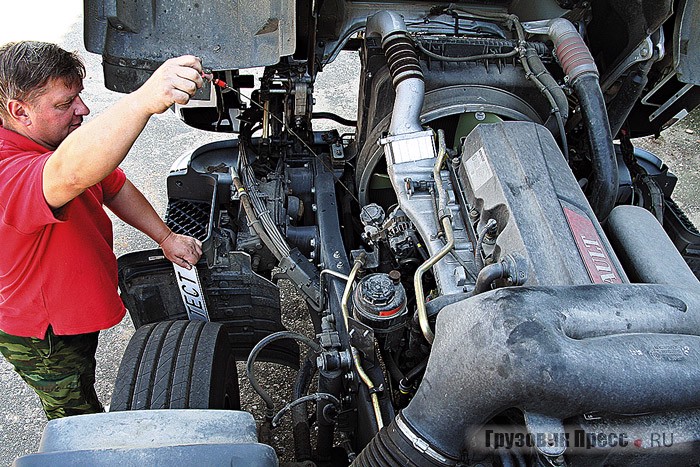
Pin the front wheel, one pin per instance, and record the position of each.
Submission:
(177, 365)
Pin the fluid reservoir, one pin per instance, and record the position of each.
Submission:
(380, 303)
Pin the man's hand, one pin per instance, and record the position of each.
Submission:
(174, 82)
(182, 250)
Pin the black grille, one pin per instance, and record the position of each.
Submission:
(188, 218)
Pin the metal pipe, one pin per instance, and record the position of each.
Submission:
(359, 262)
(370, 386)
(445, 217)
(437, 178)
(418, 279)
(333, 273)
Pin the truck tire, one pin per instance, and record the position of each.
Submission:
(177, 365)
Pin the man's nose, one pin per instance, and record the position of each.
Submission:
(81, 109)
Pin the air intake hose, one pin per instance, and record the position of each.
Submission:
(578, 64)
(405, 70)
(555, 351)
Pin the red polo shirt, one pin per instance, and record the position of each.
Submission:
(56, 270)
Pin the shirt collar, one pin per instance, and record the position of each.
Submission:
(21, 142)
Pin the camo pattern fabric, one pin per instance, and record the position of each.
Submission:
(60, 369)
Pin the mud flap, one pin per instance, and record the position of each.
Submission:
(247, 304)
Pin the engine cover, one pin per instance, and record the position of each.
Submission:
(514, 173)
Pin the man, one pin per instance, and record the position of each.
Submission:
(58, 274)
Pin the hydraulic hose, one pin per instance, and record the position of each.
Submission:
(269, 403)
(300, 423)
(578, 64)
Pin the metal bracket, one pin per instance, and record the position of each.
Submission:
(550, 431)
(296, 268)
(642, 53)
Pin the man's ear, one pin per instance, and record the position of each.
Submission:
(17, 111)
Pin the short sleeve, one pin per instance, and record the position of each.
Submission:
(112, 184)
(22, 201)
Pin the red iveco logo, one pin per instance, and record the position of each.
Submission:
(600, 268)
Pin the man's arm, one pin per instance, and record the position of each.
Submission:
(133, 208)
(94, 150)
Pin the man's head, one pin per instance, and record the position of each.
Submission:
(40, 85)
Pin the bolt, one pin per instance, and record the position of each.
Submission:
(395, 276)
(314, 207)
(339, 265)
(480, 116)
(336, 254)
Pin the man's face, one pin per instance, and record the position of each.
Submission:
(55, 113)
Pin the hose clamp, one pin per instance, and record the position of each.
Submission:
(420, 444)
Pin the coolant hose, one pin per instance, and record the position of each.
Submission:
(578, 64)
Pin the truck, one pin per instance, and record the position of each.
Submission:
(491, 273)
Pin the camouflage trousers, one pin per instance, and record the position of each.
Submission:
(60, 369)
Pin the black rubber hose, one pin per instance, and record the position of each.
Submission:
(393, 368)
(334, 117)
(553, 92)
(487, 275)
(602, 191)
(393, 447)
(269, 403)
(300, 422)
(413, 372)
(311, 397)
(578, 64)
